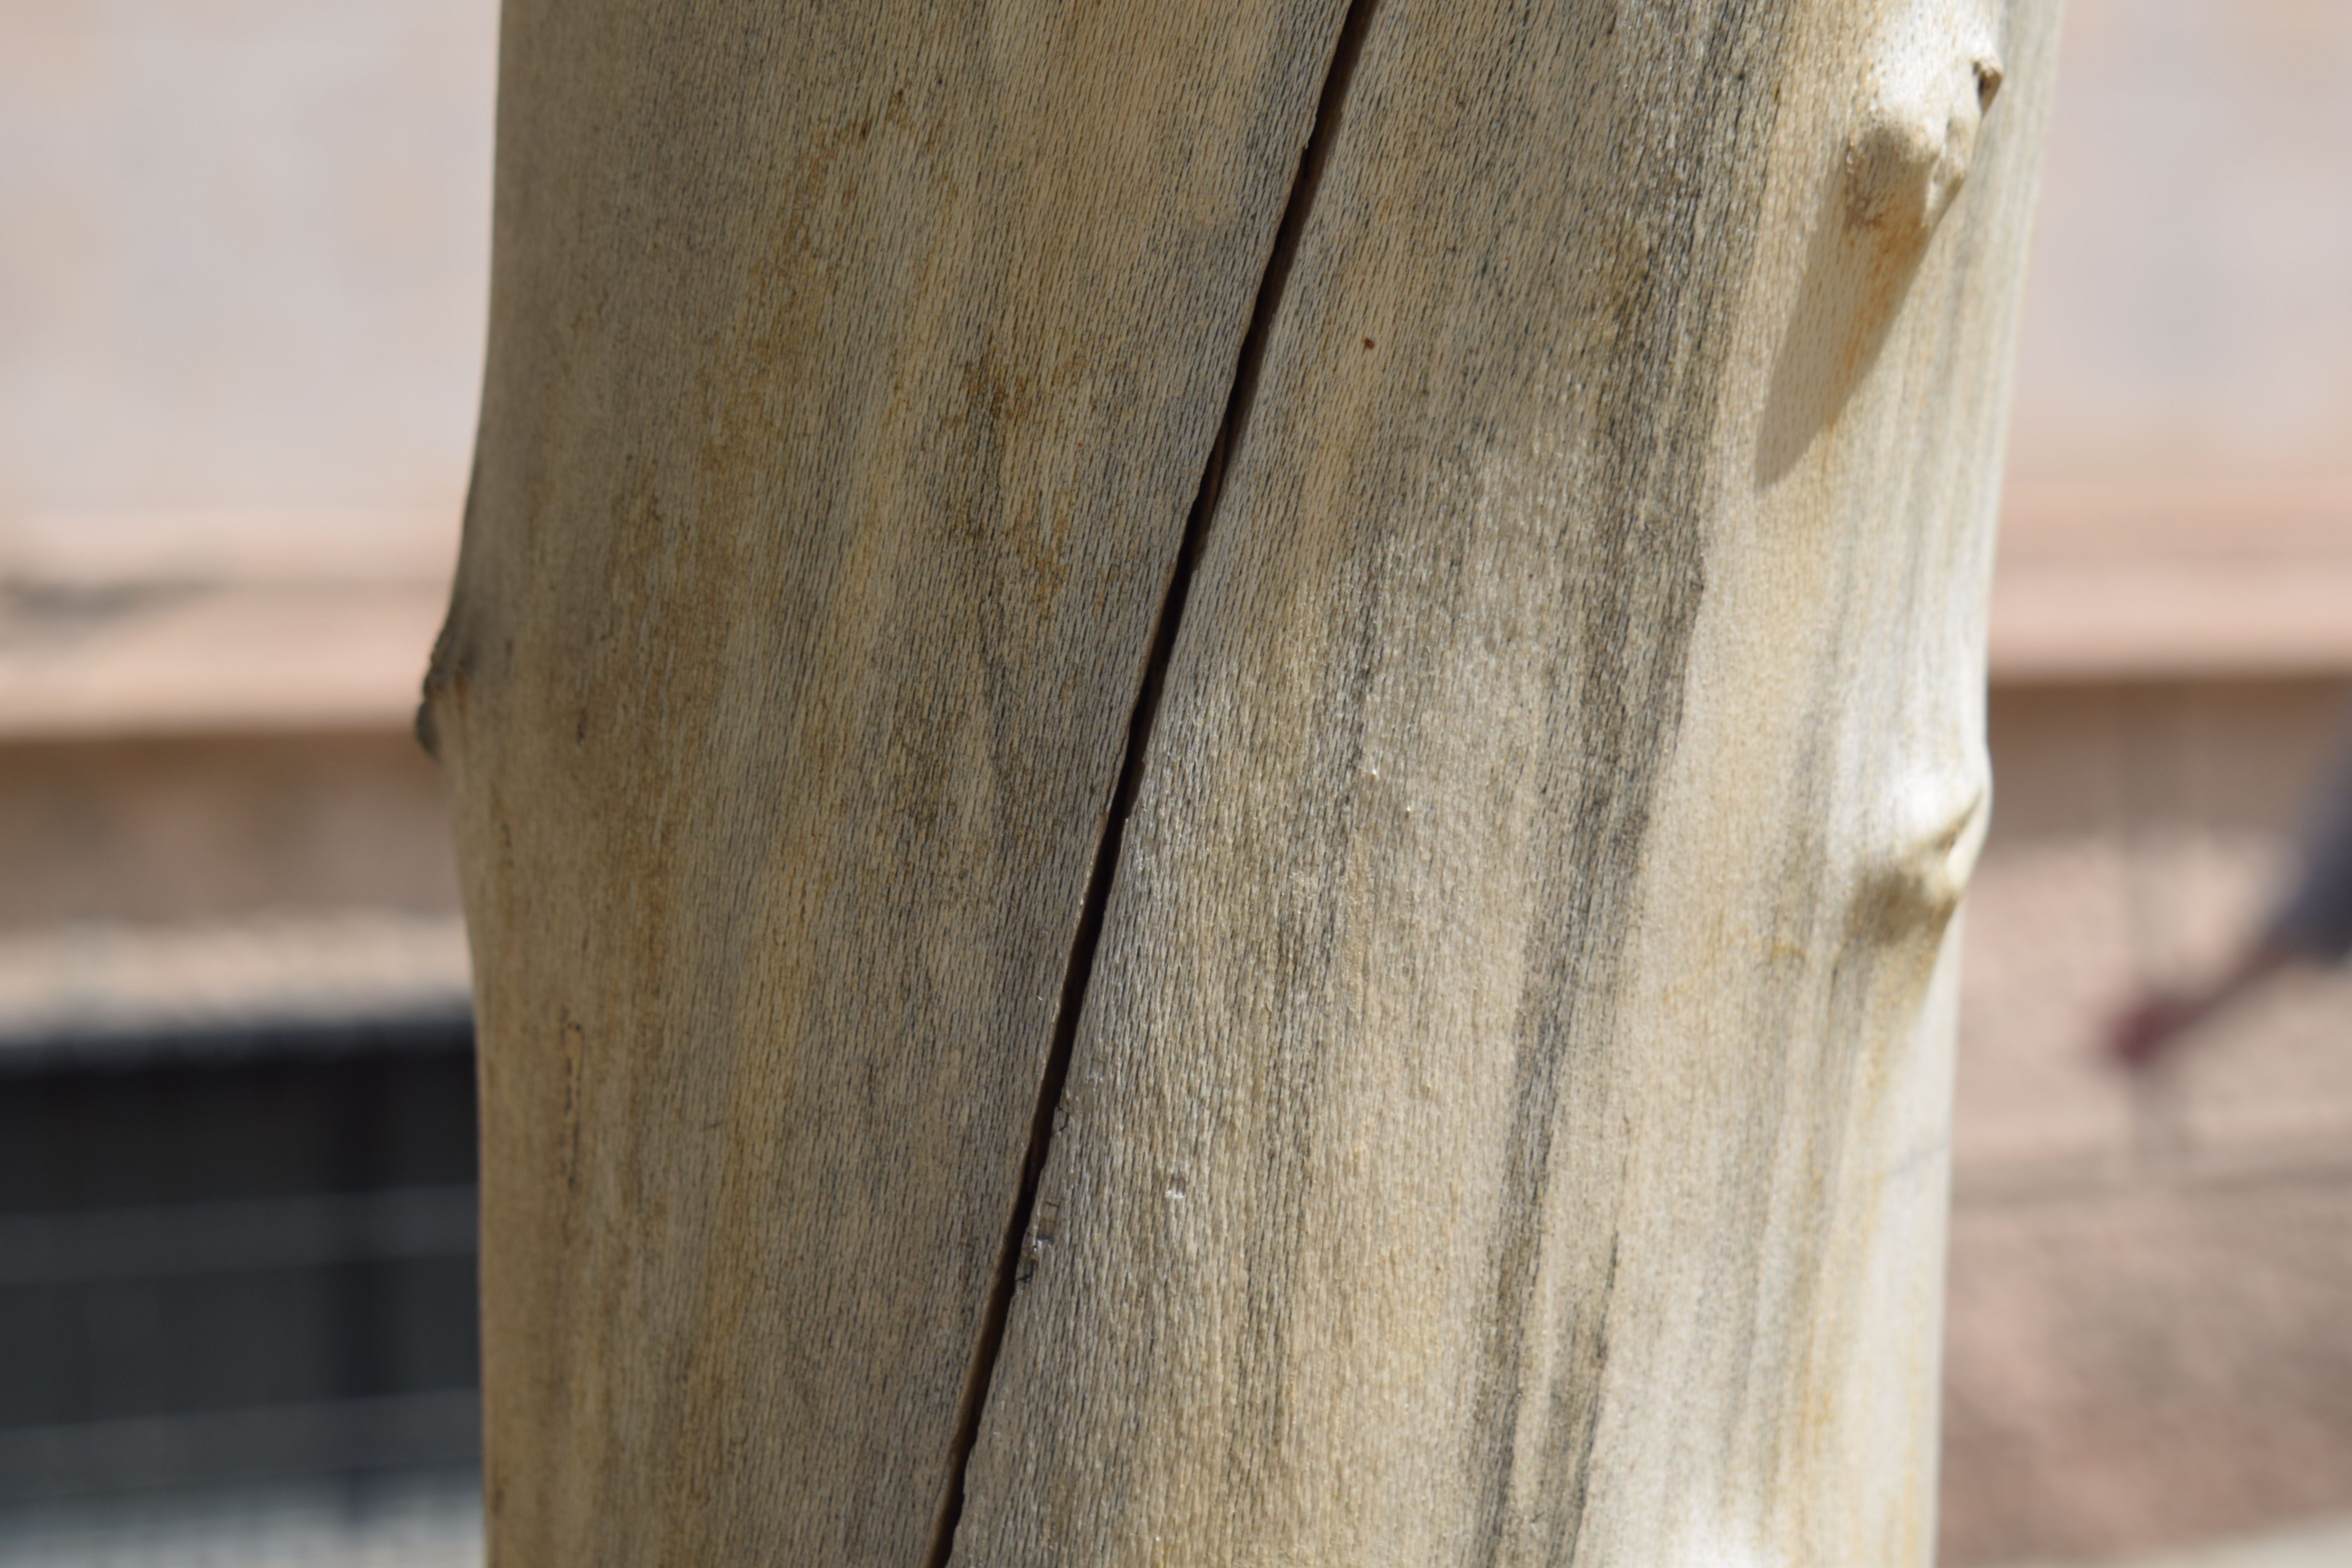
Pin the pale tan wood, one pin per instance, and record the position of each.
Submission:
(1507, 1122)
(852, 372)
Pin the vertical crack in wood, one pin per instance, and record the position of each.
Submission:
(1345, 51)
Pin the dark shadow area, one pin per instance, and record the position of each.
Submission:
(236, 1257)
(1857, 270)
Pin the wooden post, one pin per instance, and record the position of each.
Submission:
(1212, 761)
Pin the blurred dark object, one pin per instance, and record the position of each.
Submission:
(2310, 927)
(237, 1256)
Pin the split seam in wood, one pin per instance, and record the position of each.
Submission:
(1239, 398)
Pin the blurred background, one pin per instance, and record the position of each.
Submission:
(243, 269)
(242, 282)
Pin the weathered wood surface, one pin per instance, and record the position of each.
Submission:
(1509, 1121)
(853, 371)
(1505, 1122)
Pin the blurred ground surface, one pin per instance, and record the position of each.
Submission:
(2149, 1329)
(2310, 1543)
(433, 1521)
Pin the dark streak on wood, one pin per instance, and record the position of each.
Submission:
(1618, 711)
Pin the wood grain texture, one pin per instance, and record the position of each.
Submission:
(1507, 1122)
(853, 372)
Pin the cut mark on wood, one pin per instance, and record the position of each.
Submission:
(1015, 1263)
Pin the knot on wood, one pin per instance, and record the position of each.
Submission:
(1914, 888)
(1933, 77)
